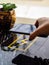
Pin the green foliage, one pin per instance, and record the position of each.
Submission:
(8, 6)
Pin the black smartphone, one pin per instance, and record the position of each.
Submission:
(23, 28)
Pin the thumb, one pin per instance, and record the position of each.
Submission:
(37, 24)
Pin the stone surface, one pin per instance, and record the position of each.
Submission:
(40, 48)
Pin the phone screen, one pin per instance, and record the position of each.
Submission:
(23, 28)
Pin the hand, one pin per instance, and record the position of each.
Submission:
(41, 21)
(42, 25)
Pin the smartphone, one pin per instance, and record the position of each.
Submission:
(23, 28)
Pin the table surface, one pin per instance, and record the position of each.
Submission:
(39, 47)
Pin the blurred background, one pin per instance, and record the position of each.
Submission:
(29, 10)
(28, 2)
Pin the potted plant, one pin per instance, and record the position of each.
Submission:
(7, 16)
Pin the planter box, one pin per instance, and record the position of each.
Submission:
(7, 20)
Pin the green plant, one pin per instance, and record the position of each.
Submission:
(8, 6)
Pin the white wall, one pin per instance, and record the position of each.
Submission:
(27, 12)
(27, 2)
(32, 12)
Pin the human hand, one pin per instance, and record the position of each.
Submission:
(42, 25)
(41, 21)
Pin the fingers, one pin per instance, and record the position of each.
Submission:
(32, 35)
(42, 25)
